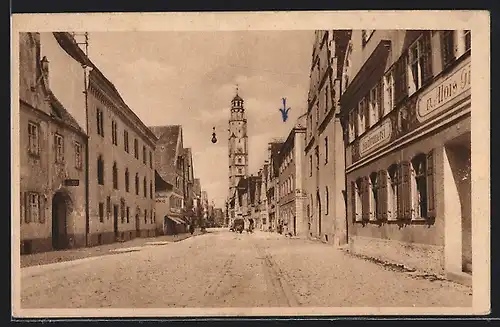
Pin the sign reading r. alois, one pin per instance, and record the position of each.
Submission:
(433, 102)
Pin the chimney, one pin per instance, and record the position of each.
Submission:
(45, 70)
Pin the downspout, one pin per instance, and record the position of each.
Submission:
(87, 213)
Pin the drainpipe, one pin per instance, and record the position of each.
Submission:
(87, 214)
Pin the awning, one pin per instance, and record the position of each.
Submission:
(176, 220)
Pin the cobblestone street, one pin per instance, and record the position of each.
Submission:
(224, 269)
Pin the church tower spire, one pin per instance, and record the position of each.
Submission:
(238, 143)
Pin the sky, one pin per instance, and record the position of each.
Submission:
(189, 78)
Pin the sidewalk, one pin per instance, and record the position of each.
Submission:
(100, 250)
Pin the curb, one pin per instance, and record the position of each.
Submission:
(412, 272)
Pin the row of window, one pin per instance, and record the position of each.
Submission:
(114, 138)
(287, 186)
(100, 179)
(403, 191)
(310, 206)
(34, 146)
(325, 102)
(286, 161)
(317, 155)
(410, 73)
(123, 211)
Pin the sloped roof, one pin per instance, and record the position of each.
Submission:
(166, 149)
(161, 184)
(57, 108)
(61, 112)
(68, 44)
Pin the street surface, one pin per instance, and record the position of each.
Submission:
(225, 269)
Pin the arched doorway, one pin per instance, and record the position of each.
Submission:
(61, 207)
(318, 200)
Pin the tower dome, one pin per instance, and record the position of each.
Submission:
(237, 101)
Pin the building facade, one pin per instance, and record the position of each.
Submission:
(121, 173)
(273, 151)
(263, 204)
(170, 167)
(324, 178)
(163, 192)
(291, 198)
(406, 116)
(52, 159)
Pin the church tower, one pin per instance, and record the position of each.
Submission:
(238, 143)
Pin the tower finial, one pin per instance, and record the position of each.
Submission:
(237, 88)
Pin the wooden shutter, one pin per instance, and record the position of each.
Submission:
(400, 197)
(365, 199)
(382, 197)
(431, 198)
(406, 188)
(41, 207)
(27, 207)
(353, 201)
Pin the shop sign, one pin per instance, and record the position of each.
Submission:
(375, 138)
(433, 102)
(161, 198)
(71, 182)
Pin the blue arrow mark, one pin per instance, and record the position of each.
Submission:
(284, 110)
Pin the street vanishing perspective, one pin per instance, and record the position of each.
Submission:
(225, 269)
(326, 168)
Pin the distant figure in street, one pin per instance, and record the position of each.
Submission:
(191, 229)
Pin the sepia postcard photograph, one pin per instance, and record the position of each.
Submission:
(239, 164)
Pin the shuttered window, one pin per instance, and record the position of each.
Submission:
(122, 210)
(108, 207)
